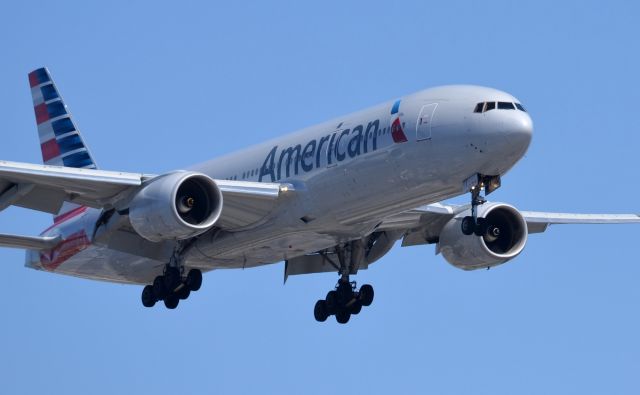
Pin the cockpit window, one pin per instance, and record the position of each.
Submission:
(503, 105)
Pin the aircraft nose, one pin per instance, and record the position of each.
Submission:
(519, 129)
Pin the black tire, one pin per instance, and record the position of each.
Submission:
(171, 302)
(332, 301)
(159, 290)
(344, 293)
(194, 279)
(183, 293)
(481, 227)
(366, 295)
(148, 296)
(320, 311)
(356, 307)
(467, 226)
(171, 278)
(343, 316)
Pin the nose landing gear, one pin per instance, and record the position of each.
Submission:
(471, 224)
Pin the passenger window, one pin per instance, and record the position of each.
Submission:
(491, 105)
(520, 107)
(478, 107)
(503, 105)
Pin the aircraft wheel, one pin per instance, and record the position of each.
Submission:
(183, 293)
(332, 301)
(320, 311)
(344, 293)
(356, 307)
(171, 302)
(159, 290)
(481, 227)
(468, 225)
(148, 296)
(194, 279)
(366, 295)
(171, 278)
(343, 316)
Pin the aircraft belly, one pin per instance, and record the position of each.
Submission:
(258, 247)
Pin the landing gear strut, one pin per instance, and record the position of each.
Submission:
(346, 299)
(472, 224)
(172, 286)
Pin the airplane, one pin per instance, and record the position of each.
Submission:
(334, 197)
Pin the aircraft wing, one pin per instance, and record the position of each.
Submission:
(423, 224)
(45, 188)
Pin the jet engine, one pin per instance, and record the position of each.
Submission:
(175, 206)
(503, 236)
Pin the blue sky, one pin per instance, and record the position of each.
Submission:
(156, 86)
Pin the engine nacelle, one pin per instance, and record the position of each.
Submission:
(492, 248)
(175, 206)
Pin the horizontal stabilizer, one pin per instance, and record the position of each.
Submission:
(29, 242)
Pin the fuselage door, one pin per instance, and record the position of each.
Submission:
(423, 126)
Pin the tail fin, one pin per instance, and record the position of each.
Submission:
(60, 139)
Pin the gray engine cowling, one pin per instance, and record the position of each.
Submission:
(493, 247)
(175, 206)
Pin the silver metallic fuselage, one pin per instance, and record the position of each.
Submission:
(343, 194)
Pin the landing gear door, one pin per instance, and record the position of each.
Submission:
(423, 126)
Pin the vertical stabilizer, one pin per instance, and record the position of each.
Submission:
(60, 140)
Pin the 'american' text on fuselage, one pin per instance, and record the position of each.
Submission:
(310, 157)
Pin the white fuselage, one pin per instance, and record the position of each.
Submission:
(349, 174)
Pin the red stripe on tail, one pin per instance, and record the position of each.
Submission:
(50, 149)
(69, 214)
(42, 113)
(33, 79)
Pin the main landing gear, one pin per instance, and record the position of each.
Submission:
(471, 224)
(171, 287)
(343, 301)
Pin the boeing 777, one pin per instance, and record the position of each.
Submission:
(334, 197)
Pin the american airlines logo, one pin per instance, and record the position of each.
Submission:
(328, 150)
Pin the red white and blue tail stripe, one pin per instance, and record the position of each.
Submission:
(60, 139)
